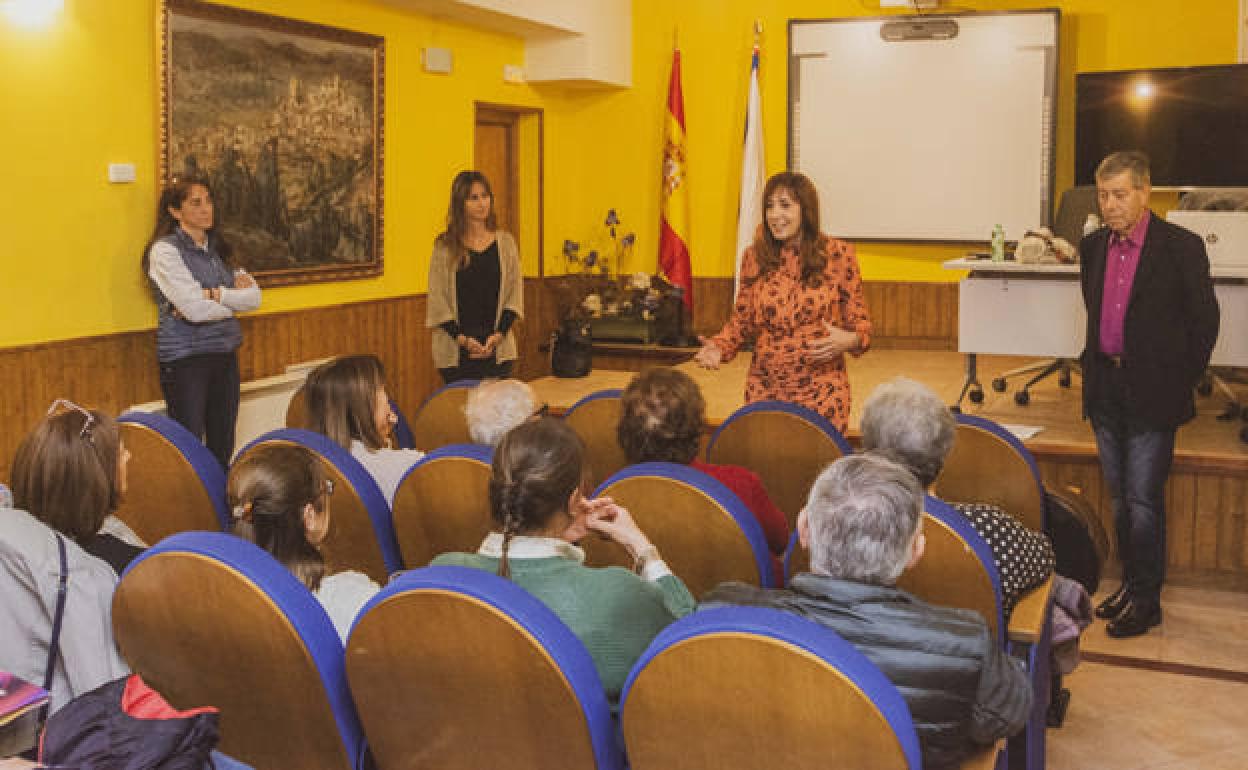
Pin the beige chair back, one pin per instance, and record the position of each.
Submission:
(210, 620)
(443, 504)
(984, 467)
(594, 418)
(174, 483)
(440, 420)
(706, 536)
(786, 445)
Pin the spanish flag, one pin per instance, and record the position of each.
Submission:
(674, 206)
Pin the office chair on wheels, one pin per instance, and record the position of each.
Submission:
(1078, 204)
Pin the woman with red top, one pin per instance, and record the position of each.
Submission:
(801, 303)
(661, 419)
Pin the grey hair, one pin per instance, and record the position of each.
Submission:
(495, 407)
(910, 421)
(864, 513)
(1133, 161)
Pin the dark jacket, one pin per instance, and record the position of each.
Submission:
(962, 689)
(1170, 327)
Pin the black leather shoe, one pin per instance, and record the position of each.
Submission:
(1135, 620)
(1113, 606)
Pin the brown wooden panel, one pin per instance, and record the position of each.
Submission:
(112, 372)
(1180, 520)
(218, 640)
(445, 680)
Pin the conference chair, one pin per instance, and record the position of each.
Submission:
(594, 418)
(702, 530)
(297, 417)
(440, 420)
(785, 444)
(958, 570)
(453, 667)
(750, 687)
(443, 503)
(210, 619)
(361, 536)
(988, 464)
(174, 483)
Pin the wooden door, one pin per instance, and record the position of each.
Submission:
(497, 156)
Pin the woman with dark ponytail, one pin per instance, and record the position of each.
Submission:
(541, 513)
(279, 496)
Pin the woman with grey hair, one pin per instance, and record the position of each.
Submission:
(496, 406)
(907, 419)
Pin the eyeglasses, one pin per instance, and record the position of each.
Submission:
(66, 404)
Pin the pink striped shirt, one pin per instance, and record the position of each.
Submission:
(1121, 261)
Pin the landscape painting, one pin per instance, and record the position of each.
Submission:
(284, 120)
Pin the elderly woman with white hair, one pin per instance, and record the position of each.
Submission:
(910, 421)
(496, 406)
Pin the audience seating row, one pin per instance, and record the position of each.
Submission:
(455, 668)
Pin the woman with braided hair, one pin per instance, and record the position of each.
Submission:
(537, 503)
(279, 496)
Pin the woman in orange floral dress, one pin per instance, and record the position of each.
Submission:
(801, 302)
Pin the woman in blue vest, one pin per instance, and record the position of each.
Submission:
(198, 294)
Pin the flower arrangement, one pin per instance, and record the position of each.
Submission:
(590, 287)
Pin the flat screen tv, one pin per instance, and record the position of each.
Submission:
(1192, 122)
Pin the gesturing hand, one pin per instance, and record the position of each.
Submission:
(615, 523)
(709, 356)
(243, 280)
(824, 349)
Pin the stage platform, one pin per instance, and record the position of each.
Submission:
(1206, 496)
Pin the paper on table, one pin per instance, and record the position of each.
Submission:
(1023, 432)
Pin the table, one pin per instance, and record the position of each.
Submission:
(1011, 308)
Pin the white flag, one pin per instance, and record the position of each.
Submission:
(753, 173)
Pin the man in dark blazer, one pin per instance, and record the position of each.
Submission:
(1152, 324)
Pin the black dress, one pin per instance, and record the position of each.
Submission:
(476, 299)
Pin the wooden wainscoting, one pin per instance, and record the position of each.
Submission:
(906, 314)
(111, 372)
(1206, 541)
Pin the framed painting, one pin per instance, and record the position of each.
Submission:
(284, 119)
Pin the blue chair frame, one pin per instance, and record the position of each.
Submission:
(566, 651)
(296, 603)
(717, 491)
(370, 494)
(203, 462)
(805, 635)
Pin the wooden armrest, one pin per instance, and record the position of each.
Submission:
(984, 759)
(1027, 621)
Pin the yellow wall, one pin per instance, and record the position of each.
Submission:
(83, 92)
(715, 38)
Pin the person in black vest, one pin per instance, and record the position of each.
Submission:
(197, 294)
(1152, 324)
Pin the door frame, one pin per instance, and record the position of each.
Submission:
(516, 112)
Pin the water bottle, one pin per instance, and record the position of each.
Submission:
(998, 243)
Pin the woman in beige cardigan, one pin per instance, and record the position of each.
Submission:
(476, 290)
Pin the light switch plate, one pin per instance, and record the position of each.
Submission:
(436, 60)
(121, 173)
(513, 73)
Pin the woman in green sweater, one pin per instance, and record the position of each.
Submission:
(541, 513)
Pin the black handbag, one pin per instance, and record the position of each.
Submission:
(571, 349)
